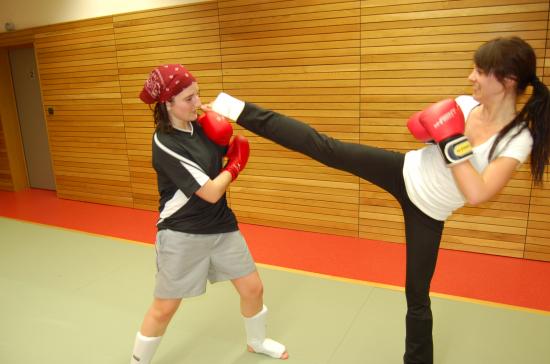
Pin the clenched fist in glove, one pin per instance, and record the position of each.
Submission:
(417, 129)
(216, 127)
(237, 156)
(444, 122)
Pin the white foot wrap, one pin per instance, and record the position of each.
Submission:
(269, 347)
(255, 336)
(144, 349)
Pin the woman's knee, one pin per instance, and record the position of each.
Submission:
(163, 310)
(252, 290)
(255, 290)
(250, 286)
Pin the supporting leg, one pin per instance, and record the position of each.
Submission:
(423, 238)
(154, 325)
(254, 313)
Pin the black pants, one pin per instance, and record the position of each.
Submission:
(384, 169)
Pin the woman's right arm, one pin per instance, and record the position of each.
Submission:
(477, 187)
(237, 157)
(214, 189)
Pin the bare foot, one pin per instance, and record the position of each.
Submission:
(284, 356)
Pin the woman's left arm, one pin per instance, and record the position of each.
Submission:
(479, 188)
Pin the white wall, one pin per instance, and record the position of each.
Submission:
(32, 13)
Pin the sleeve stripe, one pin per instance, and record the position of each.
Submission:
(194, 169)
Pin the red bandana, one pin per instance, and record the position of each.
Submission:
(164, 82)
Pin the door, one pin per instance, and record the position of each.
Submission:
(31, 118)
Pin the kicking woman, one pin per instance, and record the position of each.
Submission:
(476, 143)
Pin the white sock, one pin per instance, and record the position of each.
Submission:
(144, 349)
(255, 327)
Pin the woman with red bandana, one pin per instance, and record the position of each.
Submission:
(198, 238)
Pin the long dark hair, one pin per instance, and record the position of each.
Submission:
(513, 58)
(162, 120)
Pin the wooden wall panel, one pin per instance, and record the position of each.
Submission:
(300, 58)
(189, 35)
(6, 182)
(538, 229)
(414, 54)
(17, 38)
(13, 169)
(353, 69)
(79, 81)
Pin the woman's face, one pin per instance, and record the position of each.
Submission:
(183, 107)
(485, 86)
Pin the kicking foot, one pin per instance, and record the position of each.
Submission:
(271, 348)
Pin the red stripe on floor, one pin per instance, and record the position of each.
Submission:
(511, 281)
(45, 207)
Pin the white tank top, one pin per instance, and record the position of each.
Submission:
(429, 182)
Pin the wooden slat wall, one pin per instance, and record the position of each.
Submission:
(353, 69)
(6, 182)
(79, 80)
(537, 244)
(188, 35)
(538, 229)
(300, 57)
(18, 38)
(13, 171)
(414, 54)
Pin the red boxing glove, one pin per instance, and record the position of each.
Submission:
(444, 121)
(216, 127)
(237, 156)
(417, 129)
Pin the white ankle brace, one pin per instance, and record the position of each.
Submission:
(144, 349)
(255, 327)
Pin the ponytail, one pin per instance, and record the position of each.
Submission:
(535, 115)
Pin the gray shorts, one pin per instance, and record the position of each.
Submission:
(186, 261)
